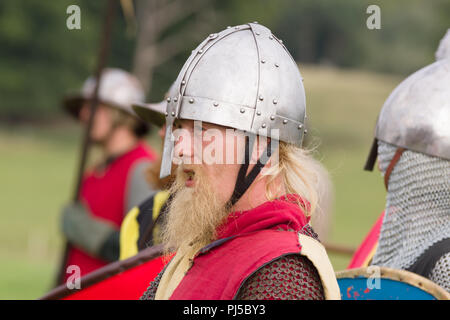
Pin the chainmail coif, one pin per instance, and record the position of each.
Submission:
(417, 211)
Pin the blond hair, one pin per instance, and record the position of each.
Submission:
(300, 174)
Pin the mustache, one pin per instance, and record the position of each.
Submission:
(186, 171)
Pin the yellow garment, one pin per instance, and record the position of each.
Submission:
(129, 231)
(174, 273)
(158, 201)
(311, 248)
(129, 235)
(369, 257)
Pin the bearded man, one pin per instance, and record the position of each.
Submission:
(412, 143)
(244, 189)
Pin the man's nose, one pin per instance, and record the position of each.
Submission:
(184, 147)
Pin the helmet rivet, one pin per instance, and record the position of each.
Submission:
(281, 41)
(228, 27)
(168, 99)
(275, 101)
(276, 65)
(191, 100)
(272, 117)
(183, 82)
(263, 125)
(261, 97)
(213, 35)
(166, 114)
(306, 131)
(258, 113)
(300, 126)
(237, 27)
(175, 99)
(255, 21)
(242, 110)
(215, 104)
(200, 51)
(285, 121)
(257, 33)
(263, 61)
(270, 37)
(173, 113)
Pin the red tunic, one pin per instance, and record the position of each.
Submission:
(103, 193)
(246, 242)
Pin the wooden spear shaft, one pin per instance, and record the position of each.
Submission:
(93, 102)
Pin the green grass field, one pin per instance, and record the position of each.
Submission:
(37, 173)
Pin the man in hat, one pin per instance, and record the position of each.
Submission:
(244, 189)
(412, 142)
(111, 188)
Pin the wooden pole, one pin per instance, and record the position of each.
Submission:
(93, 102)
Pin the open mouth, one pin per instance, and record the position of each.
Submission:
(190, 177)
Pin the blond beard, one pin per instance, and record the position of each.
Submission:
(194, 213)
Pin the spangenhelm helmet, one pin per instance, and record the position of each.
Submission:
(416, 115)
(243, 78)
(118, 89)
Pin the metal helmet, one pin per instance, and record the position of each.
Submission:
(118, 89)
(153, 112)
(416, 115)
(243, 78)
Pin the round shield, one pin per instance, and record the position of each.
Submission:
(381, 283)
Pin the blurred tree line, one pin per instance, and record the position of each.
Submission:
(41, 60)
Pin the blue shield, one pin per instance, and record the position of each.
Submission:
(380, 283)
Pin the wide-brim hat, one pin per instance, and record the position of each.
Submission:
(151, 112)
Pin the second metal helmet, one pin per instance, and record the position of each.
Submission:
(243, 78)
(416, 115)
(118, 89)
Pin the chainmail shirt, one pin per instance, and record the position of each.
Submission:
(440, 273)
(417, 213)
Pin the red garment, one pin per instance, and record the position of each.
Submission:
(366, 249)
(103, 193)
(126, 285)
(247, 241)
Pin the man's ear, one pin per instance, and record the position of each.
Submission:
(261, 145)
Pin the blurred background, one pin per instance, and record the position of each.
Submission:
(348, 72)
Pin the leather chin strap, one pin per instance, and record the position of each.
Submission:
(243, 181)
(391, 166)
